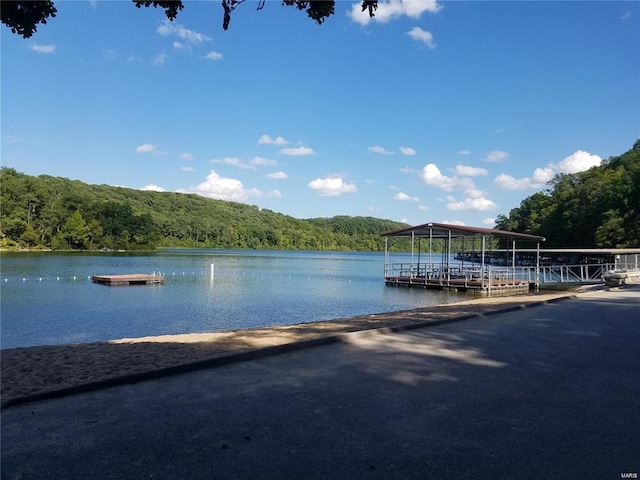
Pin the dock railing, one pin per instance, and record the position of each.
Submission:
(582, 274)
(491, 275)
(437, 274)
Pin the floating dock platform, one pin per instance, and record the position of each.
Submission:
(494, 287)
(129, 279)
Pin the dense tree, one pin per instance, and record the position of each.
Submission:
(74, 232)
(596, 208)
(59, 213)
(23, 17)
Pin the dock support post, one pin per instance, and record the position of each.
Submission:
(537, 266)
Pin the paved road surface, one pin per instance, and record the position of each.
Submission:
(541, 393)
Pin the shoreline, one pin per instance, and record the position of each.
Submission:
(31, 373)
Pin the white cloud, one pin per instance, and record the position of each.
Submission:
(213, 56)
(467, 171)
(489, 221)
(405, 198)
(453, 222)
(423, 208)
(379, 150)
(408, 169)
(160, 59)
(186, 156)
(464, 152)
(474, 193)
(186, 169)
(149, 148)
(233, 161)
(152, 187)
(472, 202)
(542, 176)
(43, 48)
(579, 161)
(626, 15)
(179, 45)
(331, 186)
(222, 188)
(496, 156)
(109, 54)
(277, 175)
(297, 152)
(274, 194)
(168, 28)
(407, 151)
(392, 9)
(267, 140)
(146, 148)
(507, 182)
(432, 176)
(263, 162)
(422, 36)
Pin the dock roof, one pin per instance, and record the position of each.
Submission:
(444, 230)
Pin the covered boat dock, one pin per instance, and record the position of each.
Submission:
(437, 268)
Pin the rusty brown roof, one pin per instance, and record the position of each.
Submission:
(443, 230)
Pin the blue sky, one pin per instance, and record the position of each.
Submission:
(433, 111)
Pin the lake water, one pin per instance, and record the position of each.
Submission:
(48, 298)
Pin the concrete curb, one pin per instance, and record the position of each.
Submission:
(257, 354)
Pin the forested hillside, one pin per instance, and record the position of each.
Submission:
(598, 208)
(53, 212)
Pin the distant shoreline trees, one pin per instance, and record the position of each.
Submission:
(56, 213)
(599, 208)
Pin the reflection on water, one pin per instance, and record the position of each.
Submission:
(48, 298)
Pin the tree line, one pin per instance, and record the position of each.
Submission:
(598, 208)
(23, 17)
(62, 214)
